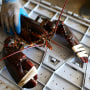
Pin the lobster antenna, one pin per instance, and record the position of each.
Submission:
(19, 51)
(60, 15)
(56, 43)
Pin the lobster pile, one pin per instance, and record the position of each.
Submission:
(35, 34)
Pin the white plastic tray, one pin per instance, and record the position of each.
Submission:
(66, 73)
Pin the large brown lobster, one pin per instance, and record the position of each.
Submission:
(35, 34)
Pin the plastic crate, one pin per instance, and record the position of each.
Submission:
(58, 69)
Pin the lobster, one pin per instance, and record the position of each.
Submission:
(35, 34)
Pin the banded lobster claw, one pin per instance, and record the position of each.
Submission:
(19, 66)
(73, 42)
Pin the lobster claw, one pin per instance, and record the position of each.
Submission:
(73, 42)
(19, 66)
